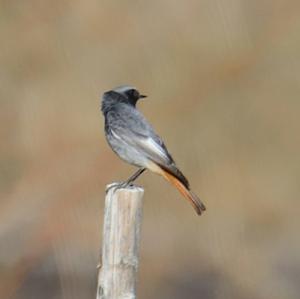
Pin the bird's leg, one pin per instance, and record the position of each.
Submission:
(127, 182)
(134, 176)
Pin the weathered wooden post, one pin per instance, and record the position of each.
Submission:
(121, 239)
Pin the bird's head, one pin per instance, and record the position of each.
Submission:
(121, 94)
(129, 92)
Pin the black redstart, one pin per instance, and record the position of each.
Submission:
(133, 139)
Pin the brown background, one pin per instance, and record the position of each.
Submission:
(223, 81)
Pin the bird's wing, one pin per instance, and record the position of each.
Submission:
(133, 129)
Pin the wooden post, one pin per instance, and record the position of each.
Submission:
(121, 238)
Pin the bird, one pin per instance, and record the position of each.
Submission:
(134, 140)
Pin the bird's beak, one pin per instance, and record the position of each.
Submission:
(143, 96)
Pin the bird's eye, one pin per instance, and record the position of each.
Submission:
(134, 93)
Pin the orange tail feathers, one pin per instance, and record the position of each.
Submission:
(188, 194)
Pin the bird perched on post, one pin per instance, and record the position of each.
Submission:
(134, 140)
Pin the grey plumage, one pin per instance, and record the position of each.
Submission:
(131, 136)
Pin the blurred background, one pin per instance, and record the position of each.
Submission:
(223, 80)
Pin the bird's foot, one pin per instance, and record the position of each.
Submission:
(117, 186)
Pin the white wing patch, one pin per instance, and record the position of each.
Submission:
(147, 146)
(153, 147)
(115, 135)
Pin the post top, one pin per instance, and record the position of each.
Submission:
(129, 188)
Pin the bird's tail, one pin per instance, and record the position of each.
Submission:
(188, 194)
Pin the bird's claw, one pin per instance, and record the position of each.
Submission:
(117, 186)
